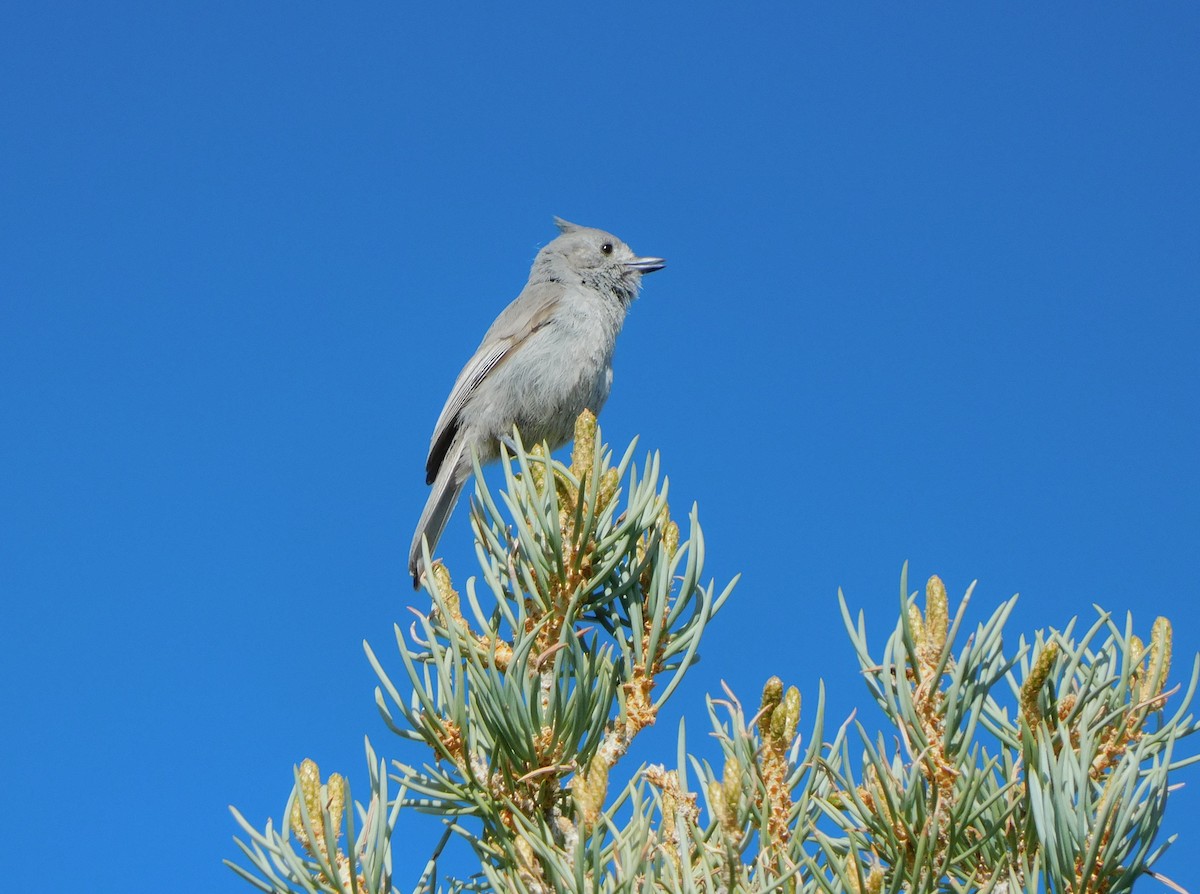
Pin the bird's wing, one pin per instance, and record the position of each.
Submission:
(528, 313)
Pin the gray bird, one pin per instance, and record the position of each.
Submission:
(545, 359)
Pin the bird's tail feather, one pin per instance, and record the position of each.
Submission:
(446, 488)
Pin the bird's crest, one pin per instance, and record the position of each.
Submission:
(565, 226)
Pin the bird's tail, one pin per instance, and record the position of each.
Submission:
(446, 487)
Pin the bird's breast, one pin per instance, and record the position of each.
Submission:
(559, 371)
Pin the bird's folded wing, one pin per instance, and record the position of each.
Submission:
(531, 310)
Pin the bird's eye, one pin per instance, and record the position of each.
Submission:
(606, 248)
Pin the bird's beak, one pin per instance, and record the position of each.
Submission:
(646, 265)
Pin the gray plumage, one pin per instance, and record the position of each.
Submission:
(545, 359)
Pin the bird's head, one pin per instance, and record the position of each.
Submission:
(594, 258)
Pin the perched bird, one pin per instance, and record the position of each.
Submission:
(545, 359)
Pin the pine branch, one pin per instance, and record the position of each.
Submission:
(1046, 768)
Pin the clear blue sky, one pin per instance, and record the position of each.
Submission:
(932, 295)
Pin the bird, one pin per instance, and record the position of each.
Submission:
(545, 359)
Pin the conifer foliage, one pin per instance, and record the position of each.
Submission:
(1044, 766)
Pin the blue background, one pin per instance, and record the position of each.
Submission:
(931, 296)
